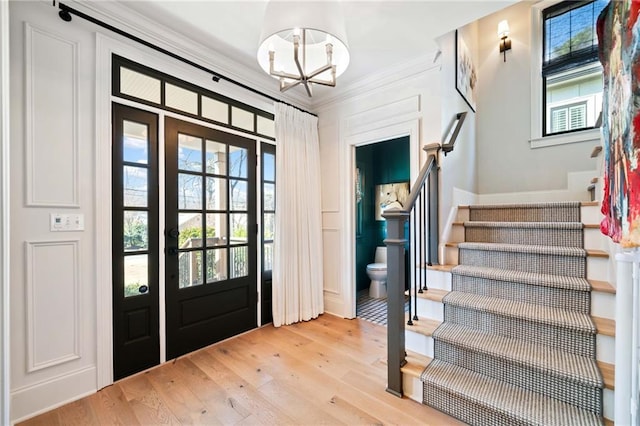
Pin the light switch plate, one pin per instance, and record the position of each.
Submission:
(67, 222)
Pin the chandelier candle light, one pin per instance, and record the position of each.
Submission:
(303, 43)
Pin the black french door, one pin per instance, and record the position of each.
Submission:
(136, 340)
(210, 236)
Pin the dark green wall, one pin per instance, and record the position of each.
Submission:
(384, 162)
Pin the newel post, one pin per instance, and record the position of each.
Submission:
(395, 243)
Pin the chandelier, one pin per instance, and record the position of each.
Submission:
(303, 43)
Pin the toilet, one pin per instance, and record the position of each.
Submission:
(377, 272)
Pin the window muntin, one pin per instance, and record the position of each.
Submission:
(142, 84)
(570, 70)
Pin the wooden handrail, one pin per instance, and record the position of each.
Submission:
(432, 161)
(454, 130)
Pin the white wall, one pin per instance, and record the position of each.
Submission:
(53, 298)
(459, 166)
(505, 161)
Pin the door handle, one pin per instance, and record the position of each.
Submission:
(173, 233)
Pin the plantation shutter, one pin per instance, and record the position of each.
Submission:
(578, 116)
(559, 120)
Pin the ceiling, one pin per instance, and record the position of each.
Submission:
(381, 34)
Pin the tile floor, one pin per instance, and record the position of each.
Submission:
(373, 310)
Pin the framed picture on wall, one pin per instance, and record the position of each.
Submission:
(466, 76)
(391, 196)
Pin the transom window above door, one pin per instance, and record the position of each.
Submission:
(142, 84)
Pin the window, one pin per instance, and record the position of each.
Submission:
(138, 83)
(568, 117)
(571, 72)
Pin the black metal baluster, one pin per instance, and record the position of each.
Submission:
(409, 322)
(426, 188)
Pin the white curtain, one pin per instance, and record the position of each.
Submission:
(297, 267)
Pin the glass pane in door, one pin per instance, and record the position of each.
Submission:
(189, 191)
(189, 153)
(190, 267)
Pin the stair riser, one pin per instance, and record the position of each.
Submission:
(462, 215)
(603, 305)
(593, 239)
(439, 279)
(465, 410)
(418, 343)
(527, 262)
(527, 236)
(590, 214)
(558, 214)
(535, 380)
(608, 402)
(572, 341)
(546, 296)
(451, 256)
(605, 349)
(457, 234)
(597, 268)
(412, 387)
(429, 309)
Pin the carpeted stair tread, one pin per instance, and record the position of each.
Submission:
(528, 206)
(526, 249)
(563, 318)
(531, 212)
(515, 403)
(527, 225)
(530, 278)
(546, 359)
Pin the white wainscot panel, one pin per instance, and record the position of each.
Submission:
(331, 257)
(329, 170)
(51, 119)
(53, 272)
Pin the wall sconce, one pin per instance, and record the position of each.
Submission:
(503, 33)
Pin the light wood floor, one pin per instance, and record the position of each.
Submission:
(326, 371)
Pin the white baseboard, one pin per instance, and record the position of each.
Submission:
(29, 401)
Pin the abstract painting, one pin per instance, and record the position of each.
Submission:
(619, 52)
(466, 77)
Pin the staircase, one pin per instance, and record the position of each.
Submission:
(507, 329)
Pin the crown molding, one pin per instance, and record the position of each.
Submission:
(385, 77)
(120, 16)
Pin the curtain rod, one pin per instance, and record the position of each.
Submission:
(66, 12)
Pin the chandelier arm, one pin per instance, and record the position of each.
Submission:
(307, 86)
(286, 86)
(323, 82)
(283, 74)
(319, 71)
(296, 59)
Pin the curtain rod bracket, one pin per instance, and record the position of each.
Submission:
(64, 15)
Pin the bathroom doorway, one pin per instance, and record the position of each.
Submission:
(382, 181)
